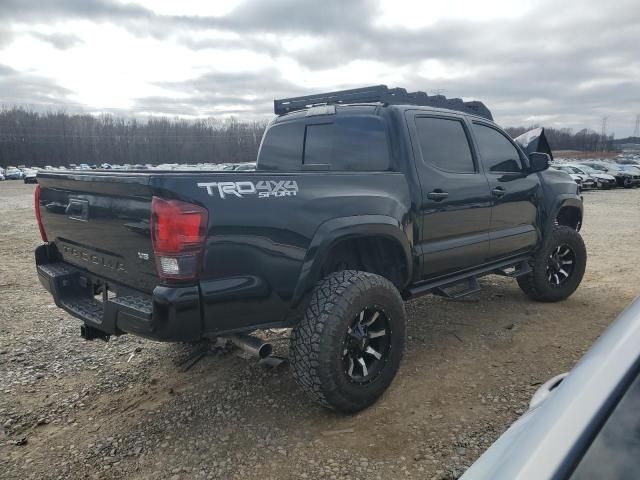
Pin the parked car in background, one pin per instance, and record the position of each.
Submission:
(586, 181)
(244, 167)
(30, 175)
(623, 178)
(632, 169)
(12, 173)
(603, 180)
(575, 177)
(581, 425)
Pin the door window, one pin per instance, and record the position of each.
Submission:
(444, 144)
(498, 154)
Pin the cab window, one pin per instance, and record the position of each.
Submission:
(498, 154)
(444, 144)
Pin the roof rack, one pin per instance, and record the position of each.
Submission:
(383, 94)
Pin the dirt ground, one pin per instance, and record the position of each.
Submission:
(130, 408)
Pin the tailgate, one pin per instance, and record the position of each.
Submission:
(100, 223)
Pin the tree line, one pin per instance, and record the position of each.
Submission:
(586, 140)
(34, 138)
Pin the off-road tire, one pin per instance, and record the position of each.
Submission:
(317, 342)
(536, 284)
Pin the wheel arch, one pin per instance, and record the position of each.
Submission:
(338, 231)
(566, 211)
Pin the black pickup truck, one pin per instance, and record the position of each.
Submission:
(360, 199)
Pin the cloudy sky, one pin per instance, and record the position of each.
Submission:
(561, 63)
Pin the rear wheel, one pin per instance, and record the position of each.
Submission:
(557, 268)
(347, 349)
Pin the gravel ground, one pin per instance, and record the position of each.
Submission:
(131, 408)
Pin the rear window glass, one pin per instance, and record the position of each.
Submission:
(281, 147)
(357, 143)
(348, 143)
(444, 143)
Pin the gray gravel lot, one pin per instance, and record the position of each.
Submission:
(130, 409)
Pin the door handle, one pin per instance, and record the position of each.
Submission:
(498, 192)
(437, 195)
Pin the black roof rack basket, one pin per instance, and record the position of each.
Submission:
(383, 94)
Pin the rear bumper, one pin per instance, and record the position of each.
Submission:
(168, 314)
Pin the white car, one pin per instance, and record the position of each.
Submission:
(30, 175)
(586, 182)
(12, 173)
(603, 180)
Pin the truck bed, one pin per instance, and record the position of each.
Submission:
(260, 231)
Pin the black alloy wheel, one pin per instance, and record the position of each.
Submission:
(366, 345)
(560, 265)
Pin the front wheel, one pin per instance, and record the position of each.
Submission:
(346, 350)
(557, 268)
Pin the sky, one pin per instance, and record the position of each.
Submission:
(556, 63)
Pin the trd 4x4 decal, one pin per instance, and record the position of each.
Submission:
(263, 188)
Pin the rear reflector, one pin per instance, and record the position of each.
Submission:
(36, 195)
(178, 232)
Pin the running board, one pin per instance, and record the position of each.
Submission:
(456, 286)
(458, 289)
(514, 271)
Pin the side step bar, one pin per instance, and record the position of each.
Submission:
(515, 271)
(462, 284)
(459, 289)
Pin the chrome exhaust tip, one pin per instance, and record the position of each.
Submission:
(254, 346)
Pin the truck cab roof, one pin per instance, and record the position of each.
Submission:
(365, 109)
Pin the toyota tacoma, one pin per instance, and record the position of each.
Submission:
(361, 199)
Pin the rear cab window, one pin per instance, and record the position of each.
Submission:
(339, 142)
(281, 147)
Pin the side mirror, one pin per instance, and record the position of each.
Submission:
(538, 161)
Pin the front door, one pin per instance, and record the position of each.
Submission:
(456, 202)
(515, 193)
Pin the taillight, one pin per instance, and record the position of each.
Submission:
(38, 217)
(178, 232)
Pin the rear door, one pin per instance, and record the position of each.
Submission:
(456, 204)
(515, 193)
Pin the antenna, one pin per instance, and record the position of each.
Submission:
(636, 130)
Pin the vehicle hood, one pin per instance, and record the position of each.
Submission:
(534, 141)
(602, 176)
